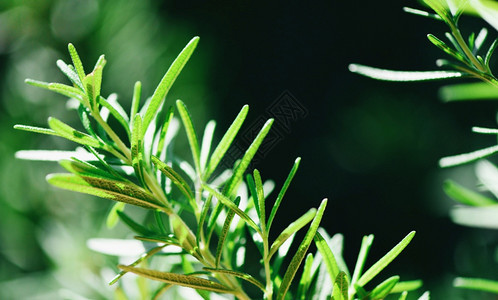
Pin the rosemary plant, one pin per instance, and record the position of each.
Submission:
(467, 60)
(205, 214)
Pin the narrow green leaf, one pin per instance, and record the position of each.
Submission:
(366, 244)
(291, 229)
(481, 217)
(455, 160)
(281, 194)
(481, 37)
(76, 61)
(112, 217)
(384, 288)
(83, 168)
(116, 113)
(135, 101)
(246, 159)
(66, 131)
(241, 275)
(385, 260)
(421, 13)
(390, 75)
(207, 139)
(425, 296)
(85, 120)
(490, 52)
(164, 130)
(260, 197)
(59, 88)
(137, 151)
(328, 256)
(254, 194)
(305, 278)
(70, 74)
(403, 296)
(281, 255)
(441, 45)
(224, 233)
(465, 196)
(175, 178)
(189, 129)
(468, 91)
(105, 188)
(179, 279)
(301, 252)
(142, 258)
(406, 286)
(202, 220)
(479, 284)
(167, 81)
(228, 203)
(340, 291)
(36, 129)
(225, 142)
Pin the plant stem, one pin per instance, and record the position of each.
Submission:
(126, 152)
(266, 261)
(458, 36)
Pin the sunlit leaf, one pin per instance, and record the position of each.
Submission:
(384, 288)
(117, 112)
(241, 275)
(70, 74)
(305, 278)
(179, 279)
(455, 160)
(385, 260)
(167, 81)
(340, 291)
(479, 284)
(174, 177)
(225, 142)
(224, 232)
(465, 196)
(366, 244)
(407, 286)
(390, 75)
(192, 137)
(76, 61)
(469, 91)
(482, 217)
(300, 253)
(328, 256)
(291, 229)
(105, 188)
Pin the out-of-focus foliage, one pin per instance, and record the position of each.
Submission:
(39, 257)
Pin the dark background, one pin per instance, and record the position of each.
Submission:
(371, 147)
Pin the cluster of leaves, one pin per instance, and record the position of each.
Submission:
(205, 218)
(478, 210)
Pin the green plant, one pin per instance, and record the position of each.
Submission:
(202, 217)
(478, 210)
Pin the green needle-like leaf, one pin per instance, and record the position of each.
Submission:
(490, 52)
(174, 177)
(466, 196)
(63, 130)
(406, 286)
(305, 278)
(65, 90)
(164, 130)
(340, 291)
(301, 252)
(281, 194)
(70, 74)
(260, 197)
(167, 81)
(468, 91)
(135, 102)
(105, 188)
(328, 256)
(122, 119)
(390, 75)
(179, 279)
(291, 229)
(207, 139)
(385, 260)
(441, 45)
(76, 61)
(246, 159)
(228, 203)
(137, 151)
(241, 275)
(384, 288)
(225, 142)
(36, 129)
(479, 284)
(366, 244)
(189, 129)
(224, 233)
(459, 159)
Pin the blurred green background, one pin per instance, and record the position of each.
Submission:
(370, 147)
